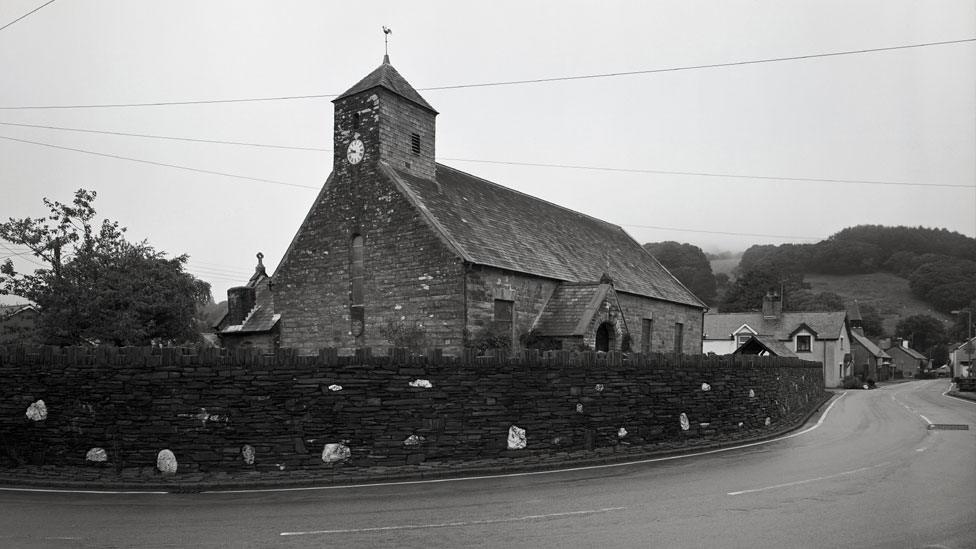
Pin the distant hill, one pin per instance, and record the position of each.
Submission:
(890, 295)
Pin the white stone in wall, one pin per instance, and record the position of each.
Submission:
(247, 452)
(335, 387)
(516, 438)
(579, 407)
(599, 387)
(706, 387)
(335, 452)
(422, 383)
(683, 419)
(37, 411)
(97, 455)
(166, 462)
(414, 440)
(768, 421)
(752, 394)
(621, 433)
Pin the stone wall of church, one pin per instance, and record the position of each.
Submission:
(412, 282)
(484, 285)
(665, 316)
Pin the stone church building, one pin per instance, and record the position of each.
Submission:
(396, 243)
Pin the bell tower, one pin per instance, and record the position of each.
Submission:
(383, 119)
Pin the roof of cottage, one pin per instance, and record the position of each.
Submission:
(869, 345)
(385, 76)
(908, 351)
(488, 224)
(825, 325)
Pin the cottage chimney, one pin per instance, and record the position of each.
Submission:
(772, 305)
(240, 301)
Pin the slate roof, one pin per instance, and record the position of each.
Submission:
(869, 345)
(385, 76)
(908, 351)
(827, 325)
(488, 224)
(767, 343)
(261, 317)
(571, 308)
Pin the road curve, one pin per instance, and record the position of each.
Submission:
(872, 474)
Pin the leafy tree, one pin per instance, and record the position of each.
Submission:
(749, 289)
(923, 332)
(688, 264)
(98, 287)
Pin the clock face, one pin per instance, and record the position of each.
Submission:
(355, 152)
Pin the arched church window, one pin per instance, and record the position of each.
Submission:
(357, 272)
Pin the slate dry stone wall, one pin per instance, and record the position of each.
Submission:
(211, 407)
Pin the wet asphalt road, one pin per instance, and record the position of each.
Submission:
(871, 474)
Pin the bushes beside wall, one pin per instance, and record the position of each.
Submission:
(208, 406)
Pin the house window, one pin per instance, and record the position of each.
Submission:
(742, 339)
(679, 336)
(415, 143)
(357, 315)
(647, 327)
(504, 316)
(803, 343)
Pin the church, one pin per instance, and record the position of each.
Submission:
(398, 247)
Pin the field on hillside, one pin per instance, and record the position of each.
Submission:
(888, 293)
(724, 265)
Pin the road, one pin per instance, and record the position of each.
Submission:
(870, 474)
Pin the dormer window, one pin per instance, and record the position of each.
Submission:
(415, 143)
(803, 343)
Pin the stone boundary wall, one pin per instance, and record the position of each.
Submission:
(220, 410)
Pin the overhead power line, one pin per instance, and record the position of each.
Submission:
(171, 138)
(505, 163)
(26, 14)
(713, 174)
(510, 82)
(163, 164)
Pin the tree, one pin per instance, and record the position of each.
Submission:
(923, 332)
(98, 287)
(749, 289)
(688, 264)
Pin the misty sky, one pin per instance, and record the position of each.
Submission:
(905, 118)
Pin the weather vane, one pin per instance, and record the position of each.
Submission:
(387, 31)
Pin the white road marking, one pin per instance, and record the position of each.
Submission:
(807, 481)
(454, 524)
(920, 449)
(925, 418)
(949, 388)
(58, 491)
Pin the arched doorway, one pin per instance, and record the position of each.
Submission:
(604, 337)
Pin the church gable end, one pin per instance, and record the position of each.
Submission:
(407, 279)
